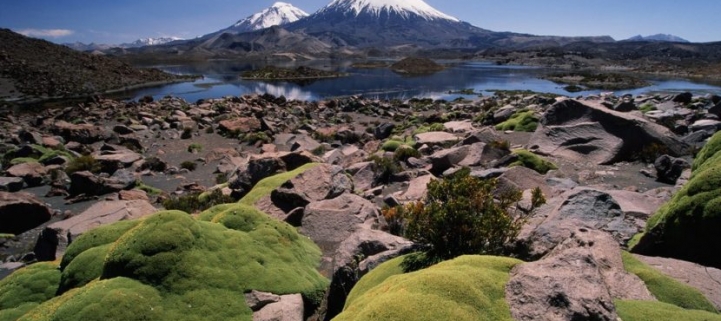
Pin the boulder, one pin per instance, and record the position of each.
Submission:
(669, 169)
(417, 189)
(316, 184)
(32, 173)
(330, 222)
(240, 125)
(81, 133)
(704, 279)
(90, 184)
(11, 184)
(288, 308)
(111, 160)
(463, 126)
(363, 175)
(589, 208)
(435, 139)
(683, 98)
(257, 168)
(577, 281)
(55, 238)
(709, 125)
(588, 132)
(447, 158)
(20, 212)
(356, 256)
(384, 130)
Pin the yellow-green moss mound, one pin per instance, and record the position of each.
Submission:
(655, 311)
(465, 288)
(25, 289)
(666, 289)
(687, 226)
(522, 121)
(171, 266)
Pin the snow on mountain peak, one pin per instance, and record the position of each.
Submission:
(401, 7)
(279, 13)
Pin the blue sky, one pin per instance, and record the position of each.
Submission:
(116, 21)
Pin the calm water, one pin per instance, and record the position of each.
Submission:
(222, 78)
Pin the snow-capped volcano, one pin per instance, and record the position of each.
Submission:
(280, 13)
(403, 8)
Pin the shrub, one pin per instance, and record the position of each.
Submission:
(651, 152)
(189, 165)
(187, 133)
(523, 121)
(500, 144)
(83, 163)
(384, 168)
(460, 215)
(391, 145)
(254, 138)
(319, 151)
(532, 161)
(395, 218)
(195, 147)
(537, 197)
(221, 178)
(194, 203)
(404, 153)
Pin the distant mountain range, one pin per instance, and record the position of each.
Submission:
(79, 46)
(658, 38)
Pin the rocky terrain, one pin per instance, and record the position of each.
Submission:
(37, 69)
(263, 208)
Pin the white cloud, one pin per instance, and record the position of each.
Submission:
(51, 33)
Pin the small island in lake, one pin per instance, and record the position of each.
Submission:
(300, 73)
(585, 80)
(416, 66)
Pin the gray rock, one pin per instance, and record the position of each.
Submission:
(20, 212)
(11, 184)
(55, 238)
(463, 126)
(330, 222)
(504, 113)
(556, 221)
(288, 308)
(435, 138)
(669, 169)
(588, 132)
(356, 256)
(447, 158)
(417, 189)
(316, 184)
(33, 174)
(384, 130)
(577, 281)
(90, 184)
(256, 300)
(683, 98)
(708, 125)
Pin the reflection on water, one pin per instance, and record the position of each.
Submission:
(222, 78)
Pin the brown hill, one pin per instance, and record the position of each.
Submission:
(32, 68)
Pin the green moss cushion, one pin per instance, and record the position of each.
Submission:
(666, 289)
(25, 289)
(687, 226)
(465, 288)
(523, 121)
(532, 161)
(171, 266)
(656, 311)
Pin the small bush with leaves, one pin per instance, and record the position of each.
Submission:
(402, 154)
(319, 151)
(651, 152)
(83, 163)
(459, 216)
(384, 168)
(195, 148)
(187, 133)
(194, 203)
(500, 144)
(189, 165)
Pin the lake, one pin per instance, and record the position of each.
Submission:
(222, 78)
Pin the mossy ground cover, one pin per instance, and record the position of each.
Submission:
(172, 266)
(523, 121)
(532, 161)
(687, 226)
(465, 288)
(655, 311)
(666, 289)
(27, 288)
